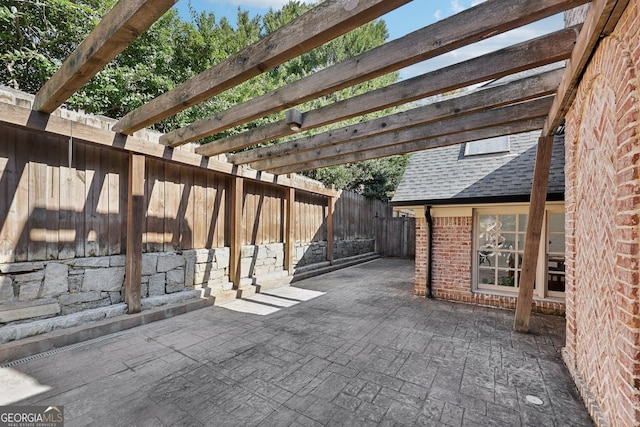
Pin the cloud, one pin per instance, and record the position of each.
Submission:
(438, 15)
(456, 6)
(477, 2)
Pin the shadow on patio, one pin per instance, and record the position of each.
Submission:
(352, 347)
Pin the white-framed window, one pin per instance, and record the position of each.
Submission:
(499, 234)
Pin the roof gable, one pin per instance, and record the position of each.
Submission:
(445, 175)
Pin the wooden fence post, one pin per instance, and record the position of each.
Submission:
(330, 210)
(135, 222)
(289, 234)
(235, 245)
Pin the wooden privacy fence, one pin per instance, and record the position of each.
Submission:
(51, 209)
(396, 237)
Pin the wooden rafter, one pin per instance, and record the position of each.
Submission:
(458, 124)
(469, 26)
(530, 54)
(424, 144)
(119, 27)
(517, 91)
(324, 22)
(601, 20)
(455, 124)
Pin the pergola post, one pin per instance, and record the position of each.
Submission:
(330, 209)
(135, 221)
(289, 235)
(235, 246)
(534, 230)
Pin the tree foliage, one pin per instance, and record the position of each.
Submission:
(36, 36)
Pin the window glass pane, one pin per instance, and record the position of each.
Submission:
(486, 258)
(498, 144)
(507, 260)
(506, 278)
(508, 222)
(521, 240)
(556, 222)
(486, 276)
(556, 243)
(555, 279)
(508, 241)
(486, 222)
(522, 222)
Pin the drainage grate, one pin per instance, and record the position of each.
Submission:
(60, 350)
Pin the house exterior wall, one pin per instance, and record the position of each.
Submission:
(452, 266)
(602, 216)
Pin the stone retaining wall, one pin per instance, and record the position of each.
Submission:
(37, 290)
(316, 252)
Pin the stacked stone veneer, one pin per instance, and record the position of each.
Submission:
(452, 266)
(36, 290)
(602, 227)
(316, 252)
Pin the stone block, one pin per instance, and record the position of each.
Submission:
(175, 280)
(75, 281)
(222, 257)
(80, 297)
(246, 265)
(117, 260)
(204, 255)
(29, 277)
(21, 313)
(79, 307)
(21, 267)
(206, 276)
(247, 251)
(29, 291)
(56, 280)
(189, 269)
(103, 279)
(156, 284)
(169, 262)
(262, 252)
(91, 262)
(149, 264)
(6, 288)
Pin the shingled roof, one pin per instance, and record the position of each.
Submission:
(446, 176)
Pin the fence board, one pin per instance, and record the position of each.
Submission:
(53, 211)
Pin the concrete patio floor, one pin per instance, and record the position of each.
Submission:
(352, 347)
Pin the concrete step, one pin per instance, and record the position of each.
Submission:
(322, 268)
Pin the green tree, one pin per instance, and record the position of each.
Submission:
(36, 37)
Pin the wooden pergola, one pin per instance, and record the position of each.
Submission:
(539, 101)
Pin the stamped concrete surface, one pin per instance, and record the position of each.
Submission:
(352, 347)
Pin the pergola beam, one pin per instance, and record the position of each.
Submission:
(324, 22)
(523, 56)
(423, 144)
(601, 20)
(517, 91)
(461, 29)
(119, 27)
(457, 124)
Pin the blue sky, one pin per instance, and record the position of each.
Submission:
(402, 21)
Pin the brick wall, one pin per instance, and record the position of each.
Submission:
(452, 266)
(602, 216)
